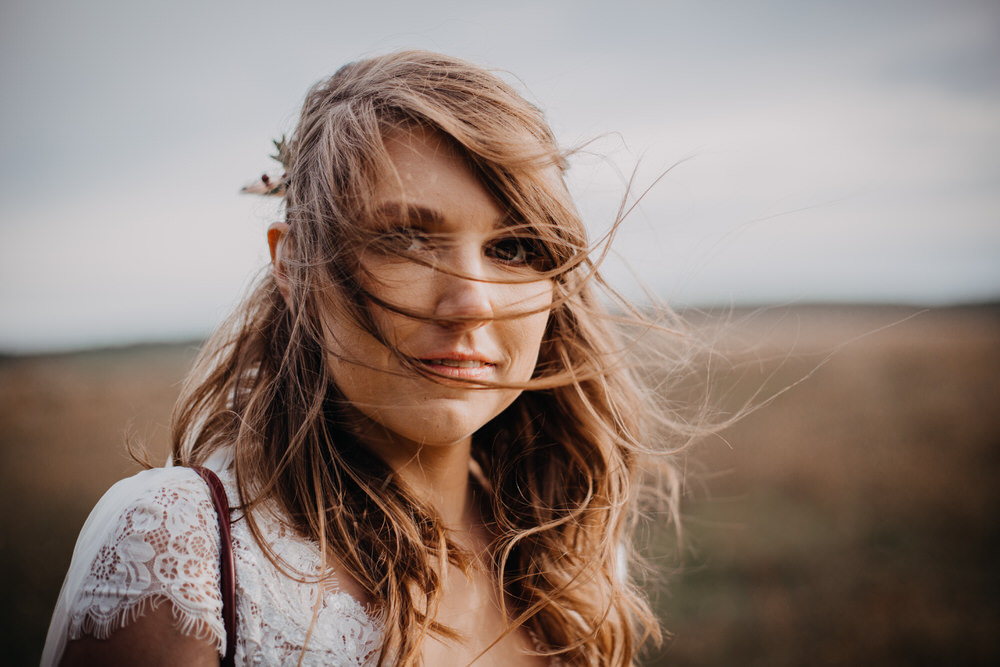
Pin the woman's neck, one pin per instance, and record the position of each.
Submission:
(437, 474)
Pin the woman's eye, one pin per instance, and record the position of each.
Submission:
(406, 240)
(511, 250)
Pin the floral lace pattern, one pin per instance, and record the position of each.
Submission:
(165, 547)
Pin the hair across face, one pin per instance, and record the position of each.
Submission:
(354, 169)
(461, 299)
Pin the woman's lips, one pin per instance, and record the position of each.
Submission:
(469, 369)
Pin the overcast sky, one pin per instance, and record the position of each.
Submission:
(818, 151)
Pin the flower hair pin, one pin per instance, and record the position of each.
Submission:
(268, 185)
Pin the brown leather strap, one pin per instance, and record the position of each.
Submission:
(228, 576)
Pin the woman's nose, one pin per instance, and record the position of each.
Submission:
(464, 299)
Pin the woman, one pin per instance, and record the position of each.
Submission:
(422, 416)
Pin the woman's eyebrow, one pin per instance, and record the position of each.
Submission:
(409, 213)
(399, 211)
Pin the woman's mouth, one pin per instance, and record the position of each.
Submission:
(456, 363)
(470, 369)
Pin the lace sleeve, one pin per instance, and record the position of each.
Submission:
(152, 538)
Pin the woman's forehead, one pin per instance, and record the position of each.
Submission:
(429, 180)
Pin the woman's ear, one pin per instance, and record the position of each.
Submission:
(276, 242)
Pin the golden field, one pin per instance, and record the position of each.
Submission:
(853, 519)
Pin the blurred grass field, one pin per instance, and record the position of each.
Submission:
(852, 520)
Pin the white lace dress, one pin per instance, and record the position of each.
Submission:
(154, 538)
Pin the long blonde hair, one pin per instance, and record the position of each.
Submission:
(561, 462)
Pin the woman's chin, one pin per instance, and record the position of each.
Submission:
(441, 421)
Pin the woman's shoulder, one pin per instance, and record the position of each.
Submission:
(180, 483)
(148, 516)
(152, 538)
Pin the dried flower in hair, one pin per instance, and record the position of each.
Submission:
(266, 185)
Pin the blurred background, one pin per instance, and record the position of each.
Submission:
(831, 186)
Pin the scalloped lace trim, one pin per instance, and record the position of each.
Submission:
(103, 627)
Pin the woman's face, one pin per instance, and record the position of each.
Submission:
(438, 211)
